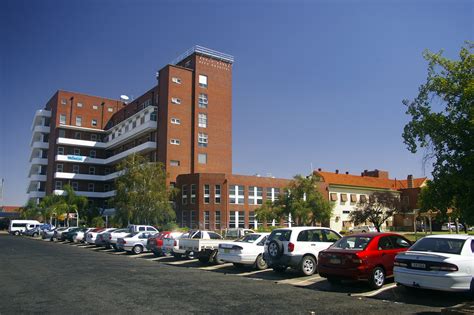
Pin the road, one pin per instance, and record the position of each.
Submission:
(39, 277)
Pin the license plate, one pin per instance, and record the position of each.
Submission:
(418, 265)
(334, 261)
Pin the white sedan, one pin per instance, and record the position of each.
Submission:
(438, 262)
(134, 242)
(247, 250)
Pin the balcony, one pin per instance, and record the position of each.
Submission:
(62, 175)
(142, 148)
(40, 116)
(39, 161)
(89, 194)
(81, 143)
(36, 194)
(148, 126)
(40, 145)
(38, 177)
(42, 129)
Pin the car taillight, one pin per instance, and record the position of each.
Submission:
(323, 255)
(399, 263)
(356, 259)
(291, 247)
(444, 267)
(110, 237)
(175, 243)
(124, 242)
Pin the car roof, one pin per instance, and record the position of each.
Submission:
(456, 236)
(301, 228)
(373, 234)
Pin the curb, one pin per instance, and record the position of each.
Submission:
(462, 309)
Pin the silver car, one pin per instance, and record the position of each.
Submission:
(134, 242)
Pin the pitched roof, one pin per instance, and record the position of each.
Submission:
(367, 181)
(10, 208)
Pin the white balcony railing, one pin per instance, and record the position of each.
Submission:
(63, 175)
(38, 177)
(40, 145)
(39, 161)
(148, 126)
(89, 194)
(142, 148)
(81, 143)
(42, 129)
(40, 114)
(36, 194)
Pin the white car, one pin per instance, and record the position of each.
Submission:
(438, 262)
(78, 237)
(363, 229)
(92, 235)
(451, 227)
(134, 242)
(142, 228)
(297, 247)
(247, 250)
(111, 237)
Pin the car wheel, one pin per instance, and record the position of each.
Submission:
(137, 249)
(275, 249)
(333, 280)
(214, 259)
(378, 278)
(308, 265)
(108, 246)
(190, 255)
(279, 269)
(260, 263)
(114, 246)
(16, 233)
(35, 234)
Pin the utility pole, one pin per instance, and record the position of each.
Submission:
(1, 192)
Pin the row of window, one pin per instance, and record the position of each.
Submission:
(62, 121)
(202, 157)
(78, 135)
(77, 151)
(343, 198)
(236, 194)
(58, 185)
(236, 220)
(207, 194)
(76, 168)
(202, 80)
(81, 105)
(188, 219)
(203, 100)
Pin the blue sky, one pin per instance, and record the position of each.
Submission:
(315, 82)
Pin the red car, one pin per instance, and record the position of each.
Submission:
(155, 242)
(365, 256)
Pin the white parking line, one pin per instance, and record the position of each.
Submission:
(181, 262)
(119, 253)
(215, 267)
(159, 258)
(141, 255)
(372, 293)
(249, 273)
(298, 281)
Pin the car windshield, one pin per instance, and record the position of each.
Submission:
(439, 245)
(281, 235)
(249, 238)
(132, 234)
(352, 242)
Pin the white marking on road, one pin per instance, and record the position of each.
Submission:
(372, 293)
(215, 267)
(160, 258)
(181, 262)
(251, 273)
(298, 281)
(119, 253)
(141, 255)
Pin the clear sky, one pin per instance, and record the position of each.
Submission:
(315, 82)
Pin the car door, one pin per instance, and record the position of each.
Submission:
(386, 254)
(304, 243)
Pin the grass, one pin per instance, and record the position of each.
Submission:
(413, 237)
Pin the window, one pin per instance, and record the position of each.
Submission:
(217, 194)
(59, 167)
(94, 122)
(176, 80)
(175, 100)
(176, 121)
(363, 198)
(174, 163)
(273, 193)
(253, 220)
(385, 243)
(310, 236)
(203, 100)
(106, 171)
(202, 139)
(193, 194)
(353, 198)
(207, 193)
(193, 219)
(333, 196)
(202, 118)
(93, 137)
(330, 236)
(63, 101)
(203, 81)
(184, 218)
(79, 104)
(236, 194)
(206, 220)
(91, 170)
(255, 195)
(79, 121)
(60, 150)
(202, 158)
(241, 218)
(346, 211)
(110, 109)
(90, 187)
(62, 119)
(106, 187)
(77, 151)
(77, 135)
(184, 195)
(343, 198)
(75, 169)
(399, 242)
(58, 185)
(218, 220)
(214, 236)
(232, 221)
(95, 107)
(175, 141)
(75, 186)
(62, 133)
(92, 153)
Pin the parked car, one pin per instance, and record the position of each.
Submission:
(155, 242)
(38, 229)
(202, 245)
(234, 234)
(451, 227)
(142, 228)
(17, 227)
(365, 256)
(438, 262)
(100, 238)
(111, 237)
(79, 236)
(92, 234)
(58, 232)
(71, 235)
(297, 247)
(67, 235)
(171, 245)
(363, 229)
(247, 250)
(48, 234)
(134, 242)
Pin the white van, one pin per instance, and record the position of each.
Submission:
(19, 226)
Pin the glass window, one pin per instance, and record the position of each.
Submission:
(77, 135)
(184, 194)
(176, 80)
(203, 101)
(95, 107)
(175, 100)
(281, 235)
(175, 141)
(79, 121)
(91, 187)
(241, 219)
(202, 139)
(193, 219)
(60, 150)
(110, 109)
(59, 168)
(218, 220)
(77, 151)
(75, 169)
(232, 217)
(310, 236)
(255, 195)
(75, 186)
(330, 236)
(193, 194)
(439, 245)
(63, 101)
(92, 153)
(203, 81)
(399, 242)
(62, 133)
(217, 194)
(93, 137)
(214, 236)
(62, 119)
(353, 242)
(106, 171)
(202, 158)
(202, 120)
(94, 122)
(91, 170)
(174, 163)
(206, 220)
(236, 194)
(176, 121)
(79, 104)
(58, 185)
(385, 243)
(207, 193)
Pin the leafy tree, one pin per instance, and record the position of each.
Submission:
(268, 212)
(380, 206)
(31, 211)
(442, 123)
(142, 195)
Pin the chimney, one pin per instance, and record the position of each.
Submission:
(337, 171)
(410, 181)
(319, 169)
(347, 173)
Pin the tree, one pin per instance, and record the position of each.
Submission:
(442, 123)
(302, 199)
(380, 206)
(31, 211)
(142, 195)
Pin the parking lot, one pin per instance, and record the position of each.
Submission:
(42, 276)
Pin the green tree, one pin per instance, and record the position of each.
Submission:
(31, 211)
(380, 206)
(442, 123)
(142, 195)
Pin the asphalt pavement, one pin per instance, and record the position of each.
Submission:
(46, 277)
